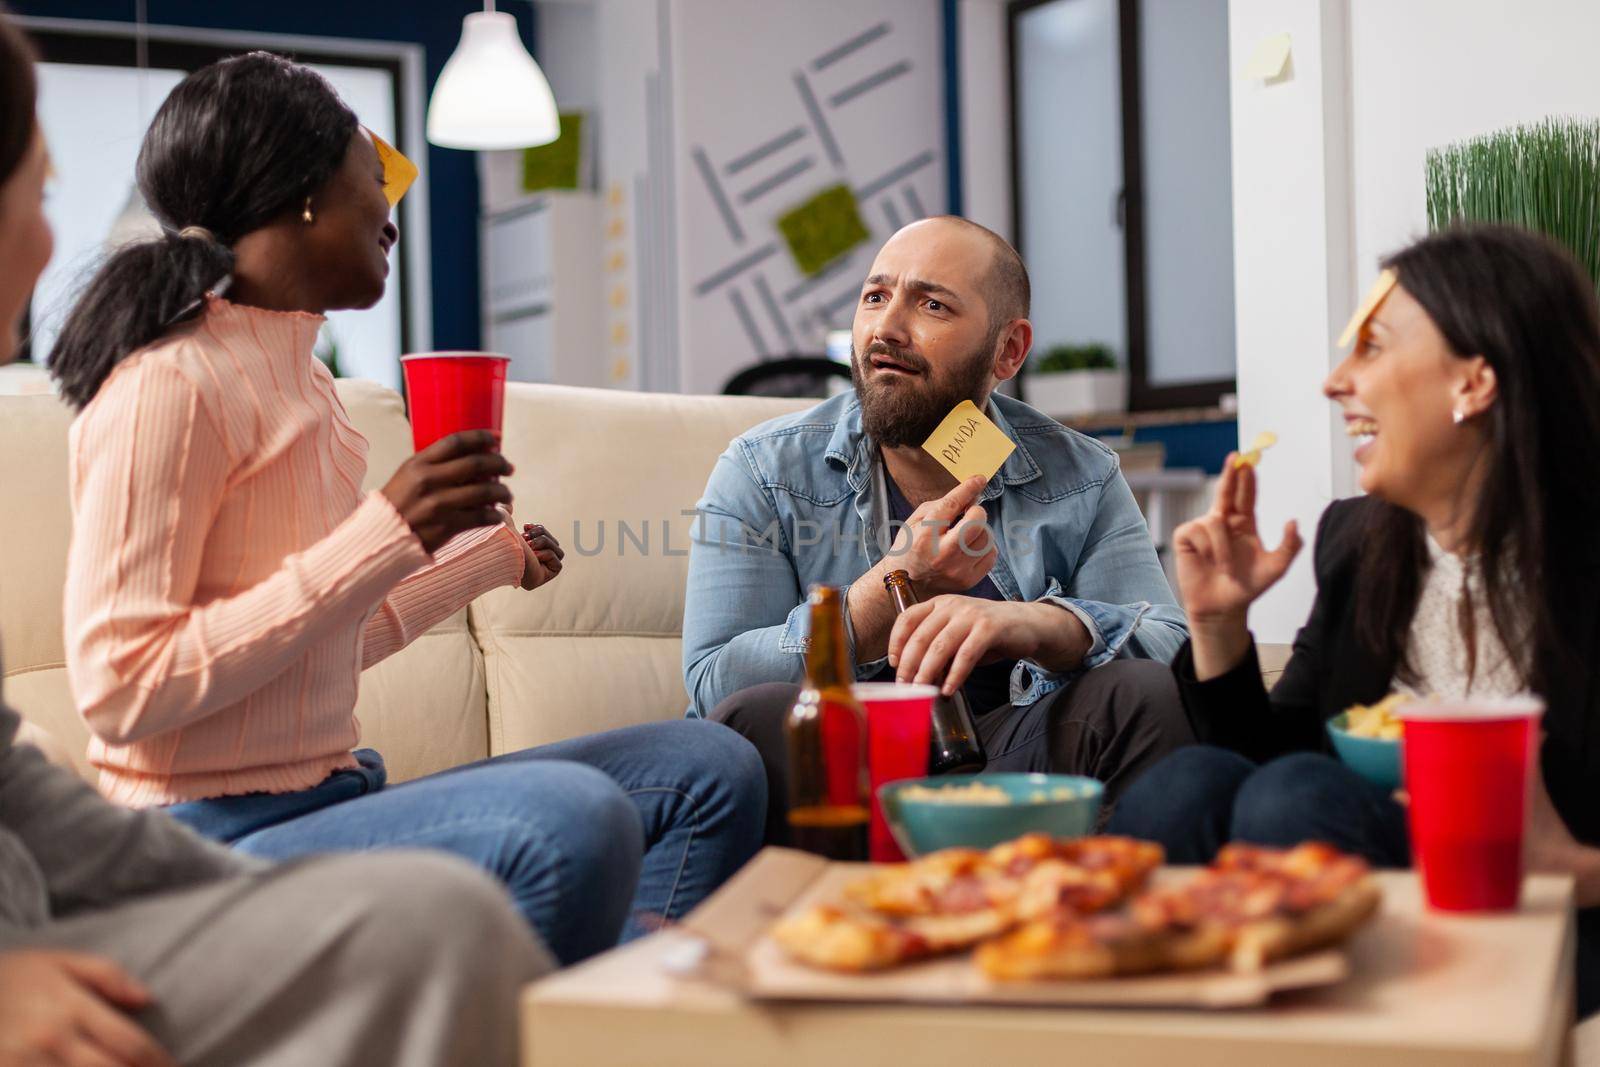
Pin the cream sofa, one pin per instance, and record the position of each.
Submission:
(598, 648)
(595, 649)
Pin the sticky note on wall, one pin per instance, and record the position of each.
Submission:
(967, 443)
(1269, 59)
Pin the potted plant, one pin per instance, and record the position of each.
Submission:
(1544, 176)
(1070, 381)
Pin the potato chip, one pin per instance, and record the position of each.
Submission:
(1377, 720)
(1264, 440)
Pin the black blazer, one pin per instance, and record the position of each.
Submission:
(1330, 670)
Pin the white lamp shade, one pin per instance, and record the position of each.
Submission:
(491, 94)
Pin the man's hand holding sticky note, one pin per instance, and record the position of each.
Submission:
(967, 443)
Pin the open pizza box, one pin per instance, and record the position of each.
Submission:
(738, 954)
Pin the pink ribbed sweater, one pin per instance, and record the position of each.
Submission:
(228, 580)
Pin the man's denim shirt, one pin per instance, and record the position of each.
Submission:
(796, 501)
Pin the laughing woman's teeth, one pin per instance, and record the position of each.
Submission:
(1363, 430)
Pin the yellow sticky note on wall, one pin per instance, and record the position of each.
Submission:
(1269, 58)
(398, 171)
(967, 443)
(1375, 295)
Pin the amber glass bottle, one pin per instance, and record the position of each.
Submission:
(827, 736)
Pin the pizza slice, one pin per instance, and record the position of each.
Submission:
(835, 939)
(954, 880)
(1323, 895)
(1271, 903)
(1085, 875)
(1034, 873)
(1068, 946)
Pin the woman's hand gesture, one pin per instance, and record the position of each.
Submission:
(1222, 565)
(1223, 568)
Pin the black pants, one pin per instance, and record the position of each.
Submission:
(1110, 724)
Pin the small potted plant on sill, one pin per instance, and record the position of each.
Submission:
(1069, 381)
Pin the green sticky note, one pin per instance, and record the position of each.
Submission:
(823, 228)
(559, 164)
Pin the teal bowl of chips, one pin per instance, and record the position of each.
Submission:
(1376, 759)
(981, 811)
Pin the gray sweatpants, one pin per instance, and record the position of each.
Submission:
(403, 958)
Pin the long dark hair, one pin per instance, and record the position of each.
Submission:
(1522, 302)
(18, 95)
(235, 146)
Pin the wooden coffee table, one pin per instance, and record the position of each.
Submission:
(1425, 989)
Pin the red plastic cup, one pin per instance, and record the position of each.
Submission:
(1466, 770)
(454, 391)
(899, 718)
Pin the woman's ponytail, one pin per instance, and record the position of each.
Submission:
(136, 296)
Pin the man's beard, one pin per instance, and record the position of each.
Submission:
(896, 413)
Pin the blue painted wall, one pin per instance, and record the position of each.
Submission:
(433, 24)
(1197, 444)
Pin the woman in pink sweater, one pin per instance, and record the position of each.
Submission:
(228, 579)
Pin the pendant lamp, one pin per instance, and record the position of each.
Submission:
(491, 94)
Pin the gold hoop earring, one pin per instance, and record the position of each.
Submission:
(305, 215)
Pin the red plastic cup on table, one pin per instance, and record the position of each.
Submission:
(899, 720)
(1466, 771)
(453, 391)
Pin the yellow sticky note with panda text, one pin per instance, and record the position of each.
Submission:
(398, 171)
(967, 443)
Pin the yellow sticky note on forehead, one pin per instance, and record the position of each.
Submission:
(967, 443)
(398, 171)
(1375, 295)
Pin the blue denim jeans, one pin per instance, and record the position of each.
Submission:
(1199, 798)
(596, 838)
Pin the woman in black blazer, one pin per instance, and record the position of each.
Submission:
(1472, 567)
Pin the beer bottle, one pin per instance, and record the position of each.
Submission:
(953, 743)
(827, 736)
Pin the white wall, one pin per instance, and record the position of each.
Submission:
(631, 178)
(717, 117)
(1292, 273)
(775, 101)
(1429, 72)
(568, 42)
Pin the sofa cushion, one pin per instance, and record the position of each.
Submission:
(35, 524)
(424, 708)
(611, 475)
